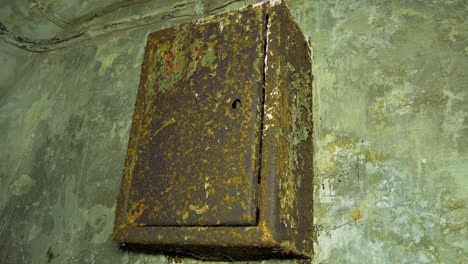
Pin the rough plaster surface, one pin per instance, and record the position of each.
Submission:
(391, 129)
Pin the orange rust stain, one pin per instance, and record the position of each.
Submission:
(243, 205)
(212, 44)
(236, 234)
(356, 214)
(157, 208)
(198, 209)
(227, 198)
(136, 210)
(172, 62)
(234, 180)
(246, 216)
(164, 125)
(266, 233)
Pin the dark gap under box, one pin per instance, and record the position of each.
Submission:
(219, 162)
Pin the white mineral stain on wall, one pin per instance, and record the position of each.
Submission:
(106, 62)
(22, 185)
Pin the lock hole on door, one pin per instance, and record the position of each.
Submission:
(236, 103)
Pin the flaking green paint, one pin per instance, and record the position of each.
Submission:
(209, 57)
(300, 120)
(197, 46)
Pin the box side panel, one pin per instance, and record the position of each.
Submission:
(288, 108)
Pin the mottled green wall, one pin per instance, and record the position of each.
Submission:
(391, 128)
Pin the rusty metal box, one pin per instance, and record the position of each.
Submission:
(219, 162)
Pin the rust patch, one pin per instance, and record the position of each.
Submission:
(199, 209)
(356, 214)
(165, 124)
(136, 210)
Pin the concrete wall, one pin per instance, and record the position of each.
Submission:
(391, 129)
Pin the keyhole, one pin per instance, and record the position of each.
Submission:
(236, 103)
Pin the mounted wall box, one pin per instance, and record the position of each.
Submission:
(219, 162)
